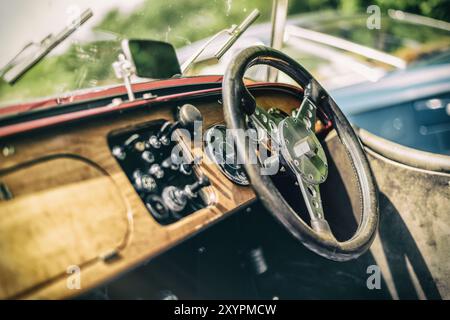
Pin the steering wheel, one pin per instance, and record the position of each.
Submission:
(302, 151)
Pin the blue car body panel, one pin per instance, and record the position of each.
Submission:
(410, 107)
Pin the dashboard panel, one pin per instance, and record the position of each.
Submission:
(106, 222)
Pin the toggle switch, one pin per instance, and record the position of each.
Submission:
(176, 199)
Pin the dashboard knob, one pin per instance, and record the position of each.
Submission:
(186, 168)
(169, 164)
(154, 142)
(148, 183)
(157, 207)
(148, 156)
(174, 198)
(139, 146)
(188, 115)
(118, 152)
(134, 142)
(144, 181)
(165, 133)
(156, 171)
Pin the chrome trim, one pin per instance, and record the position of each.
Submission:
(279, 16)
(299, 32)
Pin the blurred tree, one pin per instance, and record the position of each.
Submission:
(438, 9)
(181, 23)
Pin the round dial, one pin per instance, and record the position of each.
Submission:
(223, 153)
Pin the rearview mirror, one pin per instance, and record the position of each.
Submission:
(152, 59)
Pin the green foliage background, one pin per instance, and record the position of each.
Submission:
(179, 22)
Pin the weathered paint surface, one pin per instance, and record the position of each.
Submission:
(413, 244)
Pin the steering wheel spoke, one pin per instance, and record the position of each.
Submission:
(267, 121)
(313, 201)
(307, 113)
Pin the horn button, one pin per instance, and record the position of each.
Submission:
(302, 150)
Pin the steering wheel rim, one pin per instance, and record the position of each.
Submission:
(238, 103)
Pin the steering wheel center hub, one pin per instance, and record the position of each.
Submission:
(302, 150)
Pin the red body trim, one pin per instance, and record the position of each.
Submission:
(95, 93)
(62, 118)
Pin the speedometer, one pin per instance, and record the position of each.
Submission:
(223, 153)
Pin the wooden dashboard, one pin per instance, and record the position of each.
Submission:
(73, 209)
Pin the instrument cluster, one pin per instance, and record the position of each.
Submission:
(222, 151)
(155, 165)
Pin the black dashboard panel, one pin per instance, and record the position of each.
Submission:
(159, 172)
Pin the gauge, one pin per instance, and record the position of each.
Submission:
(223, 153)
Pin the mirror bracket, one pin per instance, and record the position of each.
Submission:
(124, 69)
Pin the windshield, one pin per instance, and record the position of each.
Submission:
(401, 38)
(84, 60)
(315, 40)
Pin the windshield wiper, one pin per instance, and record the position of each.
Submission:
(234, 33)
(33, 52)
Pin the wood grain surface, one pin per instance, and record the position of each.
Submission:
(73, 205)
